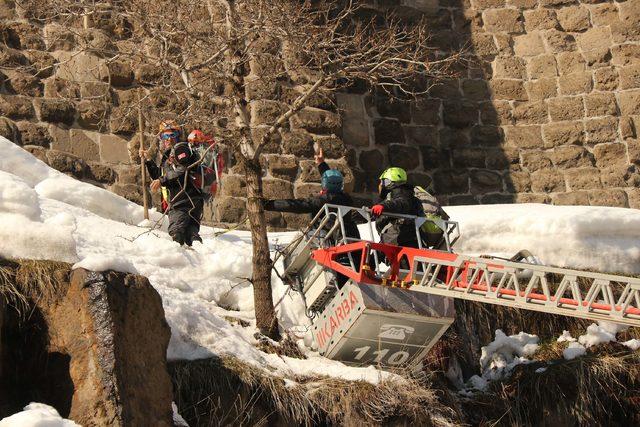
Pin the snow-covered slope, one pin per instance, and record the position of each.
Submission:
(47, 215)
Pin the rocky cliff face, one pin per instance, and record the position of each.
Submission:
(93, 345)
(544, 110)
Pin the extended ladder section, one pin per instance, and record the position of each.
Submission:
(562, 291)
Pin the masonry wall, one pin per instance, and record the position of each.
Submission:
(544, 109)
(547, 112)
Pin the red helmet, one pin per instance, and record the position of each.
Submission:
(198, 137)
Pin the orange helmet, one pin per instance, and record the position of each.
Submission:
(197, 136)
(168, 125)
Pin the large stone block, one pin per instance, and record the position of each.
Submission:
(598, 58)
(542, 66)
(547, 181)
(496, 112)
(540, 19)
(630, 12)
(233, 186)
(485, 181)
(614, 154)
(508, 89)
(571, 156)
(426, 111)
(265, 112)
(297, 142)
(606, 79)
(404, 156)
(114, 149)
(33, 134)
(459, 114)
(574, 18)
(420, 135)
(530, 112)
(434, 159)
(315, 120)
(277, 189)
(541, 89)
(559, 41)
(566, 108)
(528, 44)
(16, 107)
(471, 157)
(487, 4)
(535, 160)
(510, 67)
(307, 189)
(451, 182)
(575, 83)
(387, 131)
(629, 76)
(9, 130)
(332, 146)
(123, 120)
(66, 163)
(595, 38)
(603, 129)
(355, 126)
(21, 83)
(476, 89)
(230, 209)
(59, 37)
(625, 54)
(503, 20)
(524, 136)
(600, 104)
(604, 14)
(583, 179)
(502, 158)
(120, 73)
(629, 102)
(55, 110)
(93, 114)
(615, 198)
(571, 62)
(623, 32)
(620, 176)
(487, 136)
(518, 182)
(80, 67)
(564, 133)
(450, 137)
(400, 110)
(575, 198)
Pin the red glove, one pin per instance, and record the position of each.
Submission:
(376, 210)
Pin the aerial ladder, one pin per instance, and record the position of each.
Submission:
(398, 301)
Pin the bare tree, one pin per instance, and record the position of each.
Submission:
(211, 52)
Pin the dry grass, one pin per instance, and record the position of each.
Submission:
(24, 283)
(602, 388)
(227, 391)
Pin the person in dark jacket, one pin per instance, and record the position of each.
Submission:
(397, 196)
(332, 193)
(181, 199)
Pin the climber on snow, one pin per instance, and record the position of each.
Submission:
(182, 200)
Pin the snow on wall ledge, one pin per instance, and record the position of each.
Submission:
(47, 215)
(600, 238)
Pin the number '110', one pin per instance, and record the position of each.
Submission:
(397, 358)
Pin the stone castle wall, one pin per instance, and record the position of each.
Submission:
(546, 111)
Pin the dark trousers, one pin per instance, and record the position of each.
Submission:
(184, 221)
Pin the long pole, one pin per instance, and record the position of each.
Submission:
(143, 168)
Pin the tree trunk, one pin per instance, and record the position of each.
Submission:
(266, 319)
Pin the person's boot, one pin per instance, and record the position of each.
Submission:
(179, 238)
(196, 238)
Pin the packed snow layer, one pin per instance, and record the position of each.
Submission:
(46, 215)
(37, 415)
(596, 333)
(600, 238)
